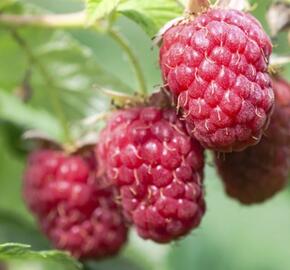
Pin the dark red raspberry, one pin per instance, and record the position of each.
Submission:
(74, 208)
(148, 153)
(216, 68)
(258, 173)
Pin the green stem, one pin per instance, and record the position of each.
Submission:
(133, 59)
(53, 96)
(70, 20)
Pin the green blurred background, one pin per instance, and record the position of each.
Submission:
(231, 236)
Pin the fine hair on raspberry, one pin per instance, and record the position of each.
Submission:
(258, 173)
(158, 168)
(75, 209)
(215, 66)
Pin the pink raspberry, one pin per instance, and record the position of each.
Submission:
(75, 209)
(148, 153)
(259, 172)
(216, 68)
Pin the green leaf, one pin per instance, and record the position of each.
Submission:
(13, 110)
(13, 251)
(6, 3)
(11, 167)
(117, 263)
(150, 15)
(73, 66)
(14, 228)
(98, 9)
(145, 22)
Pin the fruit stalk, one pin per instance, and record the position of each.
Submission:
(197, 6)
(117, 37)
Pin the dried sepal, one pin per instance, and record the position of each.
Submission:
(277, 63)
(93, 119)
(86, 143)
(193, 7)
(279, 60)
(242, 5)
(122, 100)
(278, 17)
(41, 140)
(157, 39)
(160, 98)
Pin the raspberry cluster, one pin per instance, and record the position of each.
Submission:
(216, 68)
(149, 155)
(75, 209)
(259, 172)
(151, 158)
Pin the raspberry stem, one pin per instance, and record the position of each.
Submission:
(54, 99)
(197, 6)
(118, 38)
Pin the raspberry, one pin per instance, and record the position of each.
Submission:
(149, 155)
(216, 68)
(74, 208)
(259, 172)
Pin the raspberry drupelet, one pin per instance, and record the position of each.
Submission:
(259, 172)
(158, 167)
(76, 210)
(216, 68)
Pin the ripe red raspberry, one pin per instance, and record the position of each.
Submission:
(148, 153)
(216, 68)
(74, 208)
(259, 172)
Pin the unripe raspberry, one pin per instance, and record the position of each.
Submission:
(148, 153)
(259, 172)
(75, 209)
(216, 68)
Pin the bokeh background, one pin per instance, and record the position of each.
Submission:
(231, 236)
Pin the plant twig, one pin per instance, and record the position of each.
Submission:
(71, 20)
(132, 58)
(54, 99)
